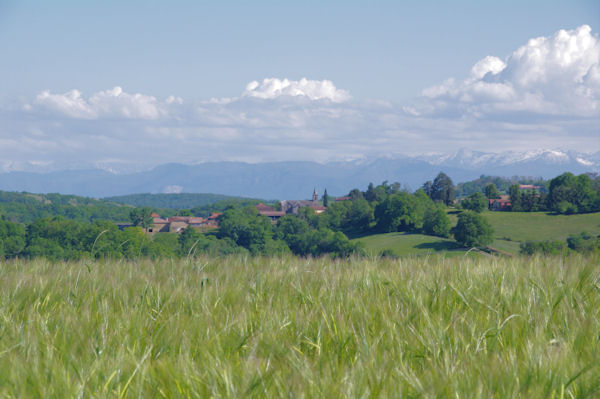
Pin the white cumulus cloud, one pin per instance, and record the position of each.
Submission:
(271, 88)
(113, 103)
(558, 75)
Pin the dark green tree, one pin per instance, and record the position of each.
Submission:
(401, 212)
(515, 198)
(12, 239)
(443, 189)
(292, 230)
(355, 194)
(476, 202)
(188, 241)
(142, 217)
(573, 194)
(359, 217)
(436, 222)
(491, 191)
(472, 230)
(246, 228)
(428, 188)
(325, 199)
(370, 194)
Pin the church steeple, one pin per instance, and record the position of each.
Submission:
(315, 195)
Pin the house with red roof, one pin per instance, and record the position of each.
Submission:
(500, 204)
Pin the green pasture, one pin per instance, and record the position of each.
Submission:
(409, 244)
(539, 226)
(301, 328)
(510, 229)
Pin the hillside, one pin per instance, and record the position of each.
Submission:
(27, 207)
(176, 201)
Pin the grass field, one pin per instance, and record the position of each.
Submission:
(510, 229)
(254, 327)
(539, 226)
(409, 244)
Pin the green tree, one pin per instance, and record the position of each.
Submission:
(359, 217)
(436, 222)
(443, 189)
(292, 230)
(355, 194)
(325, 199)
(188, 240)
(134, 242)
(246, 228)
(12, 239)
(491, 191)
(163, 245)
(370, 194)
(428, 188)
(142, 217)
(573, 194)
(475, 202)
(515, 198)
(472, 230)
(401, 212)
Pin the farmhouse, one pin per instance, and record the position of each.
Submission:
(269, 212)
(500, 204)
(160, 225)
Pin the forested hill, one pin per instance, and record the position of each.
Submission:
(26, 207)
(178, 201)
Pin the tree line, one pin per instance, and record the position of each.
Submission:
(564, 194)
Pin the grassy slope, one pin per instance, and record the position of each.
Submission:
(510, 229)
(405, 244)
(239, 327)
(536, 226)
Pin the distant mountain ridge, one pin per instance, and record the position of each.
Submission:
(177, 201)
(296, 179)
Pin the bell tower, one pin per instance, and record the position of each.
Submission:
(315, 195)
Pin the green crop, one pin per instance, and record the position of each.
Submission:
(290, 327)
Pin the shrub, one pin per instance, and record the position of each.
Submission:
(436, 222)
(543, 247)
(566, 208)
(472, 230)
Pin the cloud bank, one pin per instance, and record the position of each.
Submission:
(556, 75)
(113, 103)
(544, 94)
(311, 89)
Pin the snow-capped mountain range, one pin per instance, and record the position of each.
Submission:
(290, 179)
(475, 159)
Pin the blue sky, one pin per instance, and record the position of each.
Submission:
(379, 79)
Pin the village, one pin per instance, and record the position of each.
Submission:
(177, 224)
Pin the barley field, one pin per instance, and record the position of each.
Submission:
(461, 327)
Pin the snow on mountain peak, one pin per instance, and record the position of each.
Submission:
(476, 159)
